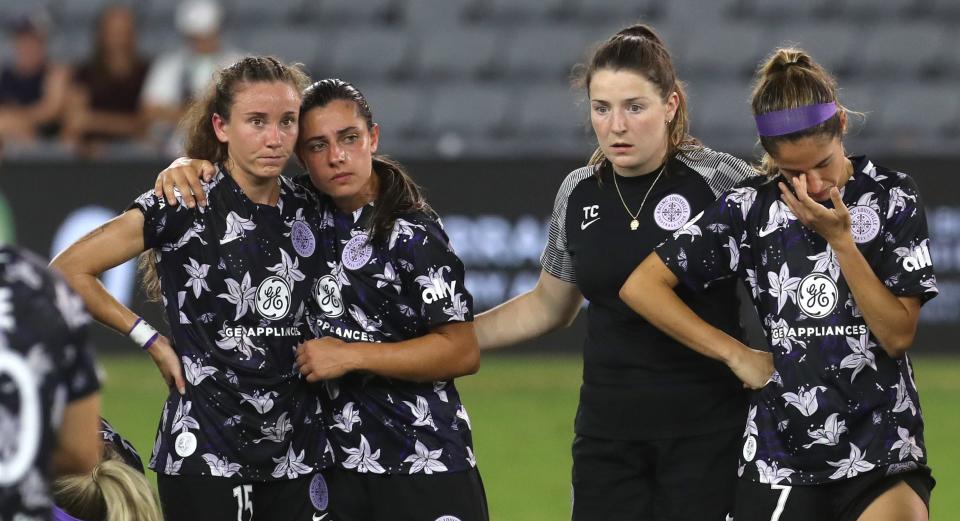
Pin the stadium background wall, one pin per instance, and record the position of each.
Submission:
(495, 213)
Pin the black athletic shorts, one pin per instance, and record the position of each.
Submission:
(844, 500)
(664, 480)
(446, 496)
(210, 498)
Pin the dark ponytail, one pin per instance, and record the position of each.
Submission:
(398, 193)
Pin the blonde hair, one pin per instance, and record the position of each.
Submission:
(789, 78)
(638, 48)
(113, 491)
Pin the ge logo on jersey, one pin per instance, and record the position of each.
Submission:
(671, 212)
(864, 224)
(273, 298)
(817, 295)
(327, 294)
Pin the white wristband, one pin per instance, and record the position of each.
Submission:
(143, 334)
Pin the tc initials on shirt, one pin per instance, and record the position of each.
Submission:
(591, 214)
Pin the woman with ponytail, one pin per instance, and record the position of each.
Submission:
(115, 490)
(657, 427)
(835, 253)
(239, 436)
(393, 319)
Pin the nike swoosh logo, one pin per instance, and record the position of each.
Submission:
(583, 225)
(315, 518)
(231, 239)
(764, 233)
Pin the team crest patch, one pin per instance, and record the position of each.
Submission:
(273, 298)
(864, 224)
(185, 444)
(327, 294)
(302, 238)
(447, 518)
(817, 295)
(319, 494)
(357, 252)
(672, 212)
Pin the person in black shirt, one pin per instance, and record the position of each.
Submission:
(240, 436)
(835, 253)
(49, 390)
(656, 426)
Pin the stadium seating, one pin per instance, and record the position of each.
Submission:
(496, 72)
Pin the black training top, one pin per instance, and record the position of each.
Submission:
(236, 281)
(837, 406)
(44, 365)
(638, 383)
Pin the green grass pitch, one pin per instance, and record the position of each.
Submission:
(522, 409)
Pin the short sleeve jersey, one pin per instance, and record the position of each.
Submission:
(45, 364)
(392, 290)
(236, 279)
(638, 383)
(837, 406)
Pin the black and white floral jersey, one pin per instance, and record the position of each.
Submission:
(45, 364)
(837, 405)
(638, 383)
(389, 291)
(236, 278)
(112, 440)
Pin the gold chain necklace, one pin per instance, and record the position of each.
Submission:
(634, 223)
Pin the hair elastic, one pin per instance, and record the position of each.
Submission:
(143, 334)
(788, 121)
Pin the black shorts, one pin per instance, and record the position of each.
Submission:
(447, 496)
(210, 498)
(675, 479)
(844, 500)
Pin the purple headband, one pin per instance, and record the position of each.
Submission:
(781, 122)
(60, 515)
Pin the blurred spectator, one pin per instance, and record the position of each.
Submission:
(176, 77)
(104, 97)
(32, 88)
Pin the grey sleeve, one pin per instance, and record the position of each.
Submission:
(555, 259)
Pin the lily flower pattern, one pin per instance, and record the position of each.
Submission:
(843, 406)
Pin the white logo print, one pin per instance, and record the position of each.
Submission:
(327, 294)
(591, 214)
(357, 252)
(434, 286)
(185, 444)
(917, 259)
(749, 449)
(447, 518)
(671, 212)
(817, 295)
(864, 223)
(273, 298)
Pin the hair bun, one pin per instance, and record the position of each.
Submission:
(640, 31)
